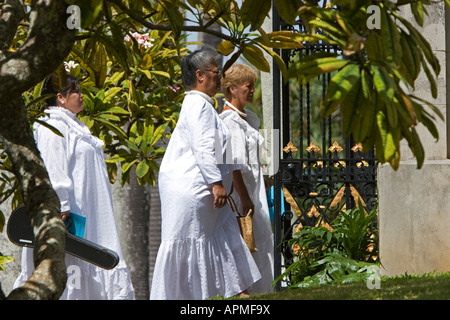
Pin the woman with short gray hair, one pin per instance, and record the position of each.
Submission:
(202, 253)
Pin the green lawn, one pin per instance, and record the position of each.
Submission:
(407, 287)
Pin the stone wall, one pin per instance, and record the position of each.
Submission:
(414, 205)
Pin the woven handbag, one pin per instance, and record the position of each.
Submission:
(245, 224)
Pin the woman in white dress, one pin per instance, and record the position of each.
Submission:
(238, 88)
(77, 171)
(202, 254)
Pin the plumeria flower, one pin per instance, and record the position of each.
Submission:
(70, 65)
(174, 89)
(143, 39)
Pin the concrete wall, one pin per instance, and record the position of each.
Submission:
(414, 219)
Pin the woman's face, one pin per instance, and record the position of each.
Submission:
(243, 93)
(73, 101)
(209, 80)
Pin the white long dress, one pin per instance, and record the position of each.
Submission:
(77, 171)
(202, 253)
(244, 150)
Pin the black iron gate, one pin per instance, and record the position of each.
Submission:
(320, 169)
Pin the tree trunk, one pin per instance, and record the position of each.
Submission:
(49, 278)
(48, 42)
(131, 211)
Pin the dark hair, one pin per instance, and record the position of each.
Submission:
(201, 59)
(71, 86)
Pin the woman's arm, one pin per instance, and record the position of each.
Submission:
(241, 189)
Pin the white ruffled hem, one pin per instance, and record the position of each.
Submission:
(198, 269)
(86, 281)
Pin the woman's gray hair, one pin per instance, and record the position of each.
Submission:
(202, 59)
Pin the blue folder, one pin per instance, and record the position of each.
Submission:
(77, 225)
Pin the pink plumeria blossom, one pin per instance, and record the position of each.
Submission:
(174, 89)
(143, 39)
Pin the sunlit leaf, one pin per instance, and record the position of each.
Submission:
(255, 56)
(226, 47)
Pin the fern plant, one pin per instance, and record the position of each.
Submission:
(346, 252)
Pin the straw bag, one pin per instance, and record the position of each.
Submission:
(245, 224)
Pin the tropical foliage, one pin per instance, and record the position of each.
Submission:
(346, 251)
(377, 69)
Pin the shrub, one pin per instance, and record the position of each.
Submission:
(346, 252)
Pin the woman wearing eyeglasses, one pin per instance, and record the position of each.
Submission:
(202, 254)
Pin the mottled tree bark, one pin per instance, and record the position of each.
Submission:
(49, 41)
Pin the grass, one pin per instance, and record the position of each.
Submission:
(431, 286)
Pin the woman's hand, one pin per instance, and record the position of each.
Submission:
(65, 215)
(220, 194)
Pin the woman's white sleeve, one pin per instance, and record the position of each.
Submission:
(204, 140)
(54, 152)
(237, 151)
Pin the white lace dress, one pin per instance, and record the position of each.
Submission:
(77, 171)
(202, 253)
(244, 149)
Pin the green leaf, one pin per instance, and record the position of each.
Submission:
(415, 145)
(335, 34)
(339, 86)
(127, 165)
(418, 10)
(384, 85)
(351, 103)
(278, 60)
(387, 141)
(314, 65)
(157, 134)
(374, 47)
(117, 130)
(48, 126)
(255, 56)
(226, 47)
(288, 10)
(431, 106)
(431, 79)
(175, 16)
(117, 110)
(409, 64)
(115, 46)
(287, 39)
(116, 158)
(254, 12)
(89, 10)
(147, 62)
(2, 221)
(131, 146)
(391, 38)
(97, 62)
(59, 78)
(423, 44)
(4, 260)
(142, 169)
(111, 93)
(148, 133)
